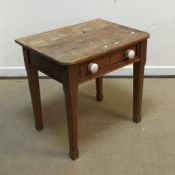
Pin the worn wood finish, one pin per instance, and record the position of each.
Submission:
(138, 83)
(99, 89)
(82, 42)
(107, 63)
(65, 54)
(33, 80)
(70, 86)
(46, 65)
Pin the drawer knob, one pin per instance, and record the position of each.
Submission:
(93, 68)
(130, 54)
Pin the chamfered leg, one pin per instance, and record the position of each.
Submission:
(138, 83)
(99, 89)
(33, 81)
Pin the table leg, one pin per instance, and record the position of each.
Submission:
(33, 81)
(99, 89)
(138, 84)
(70, 86)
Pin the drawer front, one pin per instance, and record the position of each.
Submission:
(122, 54)
(95, 66)
(102, 63)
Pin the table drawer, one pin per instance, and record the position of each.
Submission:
(122, 54)
(97, 65)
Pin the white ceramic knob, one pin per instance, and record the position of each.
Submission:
(130, 54)
(93, 68)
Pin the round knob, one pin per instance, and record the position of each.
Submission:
(130, 54)
(93, 68)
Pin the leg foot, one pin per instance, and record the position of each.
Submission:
(74, 154)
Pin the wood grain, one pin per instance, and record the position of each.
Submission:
(99, 88)
(70, 86)
(33, 81)
(65, 54)
(138, 82)
(82, 42)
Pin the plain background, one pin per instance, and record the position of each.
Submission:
(23, 17)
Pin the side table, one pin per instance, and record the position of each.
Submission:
(81, 52)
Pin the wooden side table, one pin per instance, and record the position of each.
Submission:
(82, 52)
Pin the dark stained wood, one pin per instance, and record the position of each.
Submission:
(138, 83)
(46, 65)
(32, 73)
(108, 69)
(108, 63)
(70, 86)
(65, 54)
(99, 88)
(82, 42)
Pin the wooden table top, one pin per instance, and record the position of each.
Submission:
(78, 43)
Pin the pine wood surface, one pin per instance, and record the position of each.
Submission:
(82, 42)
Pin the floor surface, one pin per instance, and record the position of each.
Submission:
(109, 142)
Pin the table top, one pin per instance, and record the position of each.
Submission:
(85, 41)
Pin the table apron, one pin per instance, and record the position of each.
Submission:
(56, 71)
(108, 69)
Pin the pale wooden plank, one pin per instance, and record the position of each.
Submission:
(82, 42)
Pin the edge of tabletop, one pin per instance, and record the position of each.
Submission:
(89, 58)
